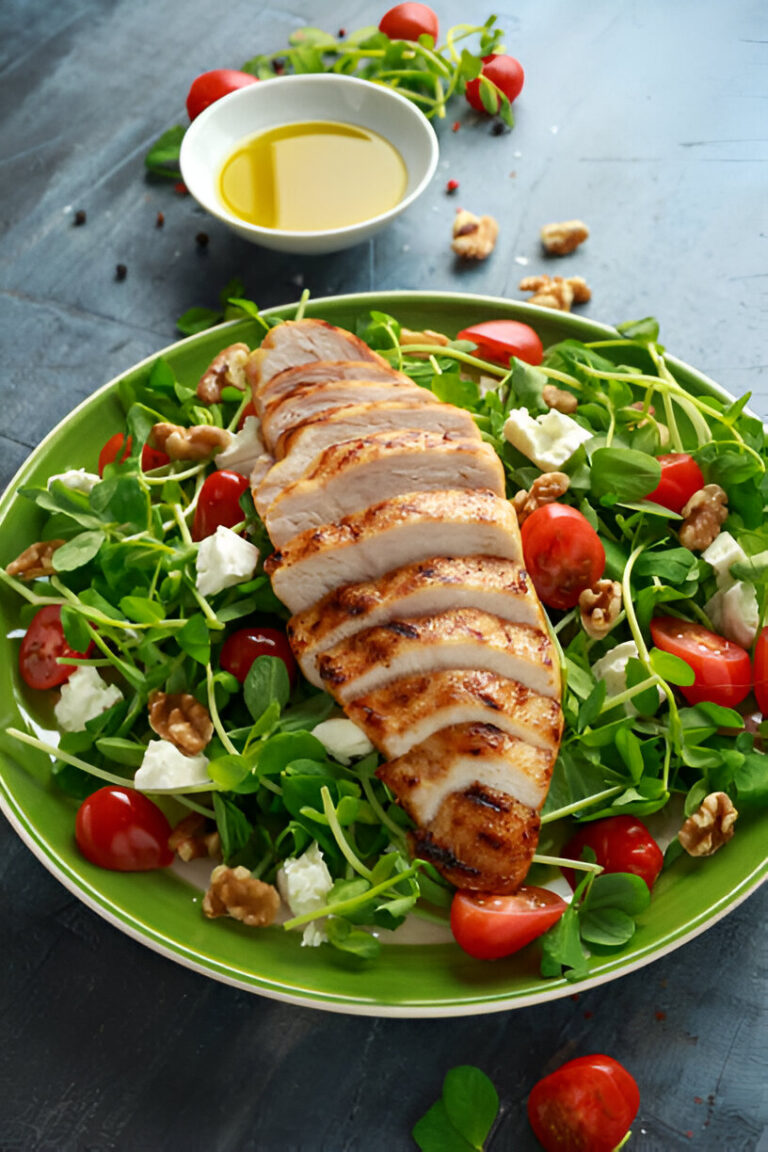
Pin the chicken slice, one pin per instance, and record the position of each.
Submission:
(410, 710)
(297, 449)
(488, 583)
(306, 400)
(349, 477)
(298, 342)
(386, 536)
(324, 372)
(460, 638)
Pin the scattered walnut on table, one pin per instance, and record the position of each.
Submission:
(178, 717)
(195, 443)
(563, 238)
(600, 608)
(35, 561)
(225, 370)
(194, 837)
(556, 291)
(235, 892)
(544, 490)
(710, 826)
(474, 237)
(706, 510)
(559, 399)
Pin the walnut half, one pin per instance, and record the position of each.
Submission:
(234, 892)
(563, 238)
(710, 826)
(544, 490)
(474, 237)
(178, 717)
(195, 443)
(194, 837)
(556, 291)
(225, 370)
(706, 510)
(35, 561)
(600, 608)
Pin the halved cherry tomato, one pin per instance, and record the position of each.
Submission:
(240, 650)
(500, 340)
(503, 71)
(43, 644)
(123, 830)
(219, 503)
(723, 670)
(118, 448)
(211, 86)
(408, 22)
(489, 927)
(761, 671)
(680, 478)
(563, 554)
(621, 844)
(586, 1105)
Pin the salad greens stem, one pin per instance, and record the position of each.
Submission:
(339, 837)
(219, 728)
(372, 799)
(195, 807)
(68, 758)
(342, 906)
(205, 608)
(183, 527)
(579, 805)
(566, 862)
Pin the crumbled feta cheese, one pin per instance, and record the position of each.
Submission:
(612, 668)
(733, 609)
(76, 478)
(722, 553)
(83, 697)
(166, 769)
(244, 450)
(224, 559)
(304, 883)
(342, 739)
(548, 440)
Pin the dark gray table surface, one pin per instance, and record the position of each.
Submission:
(646, 120)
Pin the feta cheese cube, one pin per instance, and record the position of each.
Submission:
(244, 450)
(548, 440)
(304, 883)
(612, 667)
(342, 739)
(166, 769)
(722, 553)
(733, 609)
(77, 479)
(84, 697)
(223, 560)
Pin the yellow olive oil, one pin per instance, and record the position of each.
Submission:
(312, 176)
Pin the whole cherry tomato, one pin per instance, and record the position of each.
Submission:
(123, 830)
(118, 448)
(761, 671)
(620, 844)
(680, 478)
(211, 86)
(43, 644)
(723, 670)
(489, 927)
(562, 553)
(500, 340)
(586, 1105)
(408, 22)
(240, 650)
(218, 504)
(505, 73)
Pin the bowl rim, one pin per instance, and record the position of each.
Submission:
(216, 209)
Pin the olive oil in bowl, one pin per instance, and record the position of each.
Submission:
(312, 176)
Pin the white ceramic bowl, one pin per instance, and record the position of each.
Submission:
(217, 131)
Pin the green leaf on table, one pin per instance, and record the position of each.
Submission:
(198, 319)
(163, 156)
(435, 1133)
(471, 1102)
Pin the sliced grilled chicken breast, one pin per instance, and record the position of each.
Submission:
(306, 400)
(349, 477)
(460, 638)
(388, 535)
(488, 583)
(299, 448)
(300, 342)
(324, 372)
(410, 710)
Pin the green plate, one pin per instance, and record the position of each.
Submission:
(162, 910)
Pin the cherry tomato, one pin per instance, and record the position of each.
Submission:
(563, 554)
(240, 650)
(722, 668)
(500, 340)
(211, 86)
(489, 927)
(761, 671)
(586, 1105)
(219, 503)
(43, 643)
(118, 448)
(123, 830)
(680, 478)
(621, 844)
(408, 22)
(249, 410)
(503, 71)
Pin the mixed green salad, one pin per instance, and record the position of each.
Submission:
(667, 720)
